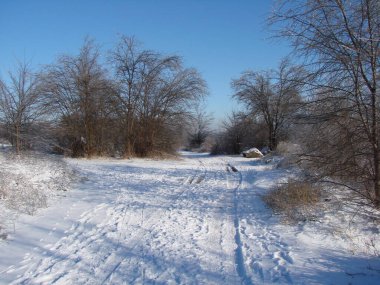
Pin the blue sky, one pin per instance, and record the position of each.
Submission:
(220, 38)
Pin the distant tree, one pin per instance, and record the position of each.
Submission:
(81, 92)
(199, 127)
(155, 92)
(272, 96)
(340, 43)
(240, 131)
(21, 105)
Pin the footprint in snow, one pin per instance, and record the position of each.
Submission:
(286, 256)
(282, 256)
(258, 269)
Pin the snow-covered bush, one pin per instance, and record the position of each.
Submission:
(28, 181)
(23, 196)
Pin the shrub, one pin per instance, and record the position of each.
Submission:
(294, 200)
(286, 148)
(26, 182)
(25, 197)
(217, 148)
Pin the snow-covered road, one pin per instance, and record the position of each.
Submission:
(198, 220)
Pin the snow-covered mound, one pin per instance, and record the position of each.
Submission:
(252, 153)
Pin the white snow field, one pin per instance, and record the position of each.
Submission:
(195, 220)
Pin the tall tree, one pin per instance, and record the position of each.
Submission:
(340, 42)
(21, 105)
(79, 88)
(271, 95)
(155, 91)
(199, 129)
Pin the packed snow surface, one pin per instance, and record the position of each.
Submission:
(195, 220)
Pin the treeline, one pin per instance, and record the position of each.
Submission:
(134, 103)
(138, 102)
(272, 100)
(328, 103)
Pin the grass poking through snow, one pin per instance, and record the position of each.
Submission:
(295, 200)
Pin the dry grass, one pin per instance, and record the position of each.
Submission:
(295, 201)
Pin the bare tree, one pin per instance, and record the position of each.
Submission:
(21, 105)
(199, 128)
(82, 94)
(154, 92)
(340, 42)
(239, 131)
(271, 95)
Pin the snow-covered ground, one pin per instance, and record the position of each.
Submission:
(196, 220)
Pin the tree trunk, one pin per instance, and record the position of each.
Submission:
(18, 143)
(377, 177)
(129, 149)
(272, 138)
(376, 150)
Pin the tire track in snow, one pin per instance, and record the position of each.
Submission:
(204, 211)
(61, 260)
(267, 257)
(125, 260)
(80, 238)
(196, 181)
(222, 226)
(193, 180)
(227, 229)
(239, 256)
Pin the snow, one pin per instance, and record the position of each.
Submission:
(252, 152)
(194, 220)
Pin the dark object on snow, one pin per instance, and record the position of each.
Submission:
(78, 148)
(234, 169)
(265, 150)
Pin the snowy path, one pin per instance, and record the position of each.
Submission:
(194, 221)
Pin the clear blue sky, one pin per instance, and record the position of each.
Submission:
(220, 38)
